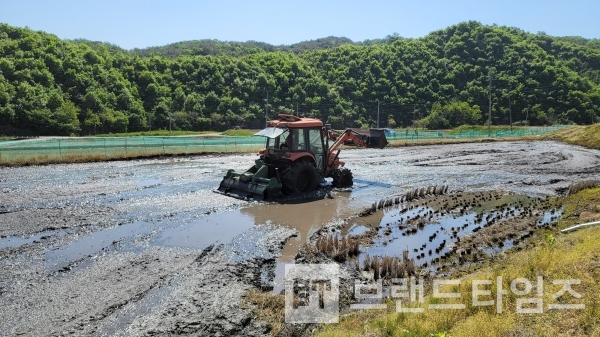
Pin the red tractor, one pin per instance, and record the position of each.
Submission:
(297, 157)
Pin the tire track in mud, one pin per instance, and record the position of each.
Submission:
(59, 305)
(206, 294)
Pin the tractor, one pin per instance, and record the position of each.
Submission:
(297, 157)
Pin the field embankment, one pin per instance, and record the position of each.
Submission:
(588, 136)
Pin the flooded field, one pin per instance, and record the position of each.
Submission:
(146, 247)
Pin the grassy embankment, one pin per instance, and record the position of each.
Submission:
(588, 136)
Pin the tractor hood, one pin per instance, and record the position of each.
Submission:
(270, 132)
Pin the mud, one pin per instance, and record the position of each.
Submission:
(144, 247)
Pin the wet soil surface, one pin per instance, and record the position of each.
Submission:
(145, 247)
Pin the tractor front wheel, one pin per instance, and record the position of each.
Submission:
(301, 178)
(342, 178)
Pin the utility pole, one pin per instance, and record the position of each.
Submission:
(490, 106)
(378, 113)
(169, 110)
(527, 115)
(509, 112)
(267, 110)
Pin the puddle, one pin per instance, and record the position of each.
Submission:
(197, 233)
(464, 224)
(360, 183)
(423, 243)
(148, 182)
(17, 241)
(305, 217)
(216, 228)
(93, 243)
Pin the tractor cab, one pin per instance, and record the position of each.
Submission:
(290, 139)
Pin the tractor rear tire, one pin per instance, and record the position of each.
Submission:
(301, 178)
(342, 178)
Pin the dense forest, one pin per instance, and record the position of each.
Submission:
(50, 86)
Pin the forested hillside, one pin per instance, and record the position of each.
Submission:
(215, 47)
(50, 86)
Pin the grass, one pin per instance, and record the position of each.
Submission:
(89, 158)
(163, 133)
(240, 133)
(71, 159)
(483, 128)
(588, 136)
(464, 128)
(166, 133)
(553, 255)
(582, 185)
(267, 307)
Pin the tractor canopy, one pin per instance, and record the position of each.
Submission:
(291, 121)
(273, 132)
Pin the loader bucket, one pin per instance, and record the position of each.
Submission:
(377, 139)
(253, 184)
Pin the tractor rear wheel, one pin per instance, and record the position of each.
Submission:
(301, 178)
(342, 178)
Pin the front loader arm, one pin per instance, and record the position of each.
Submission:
(375, 139)
(348, 136)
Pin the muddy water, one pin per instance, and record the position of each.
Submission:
(84, 246)
(434, 227)
(306, 217)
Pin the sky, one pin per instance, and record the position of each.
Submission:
(144, 23)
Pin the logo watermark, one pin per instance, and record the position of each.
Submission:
(312, 294)
(408, 293)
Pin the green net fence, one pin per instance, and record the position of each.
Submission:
(41, 149)
(429, 135)
(65, 149)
